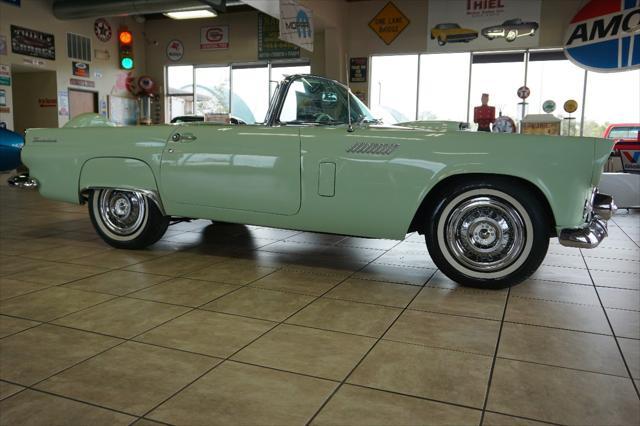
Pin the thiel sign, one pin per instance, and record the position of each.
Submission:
(604, 36)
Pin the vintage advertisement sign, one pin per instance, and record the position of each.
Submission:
(82, 83)
(102, 30)
(296, 24)
(5, 75)
(214, 38)
(269, 44)
(32, 43)
(175, 50)
(80, 69)
(389, 23)
(358, 70)
(473, 25)
(604, 36)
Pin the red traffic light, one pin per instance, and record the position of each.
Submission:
(125, 37)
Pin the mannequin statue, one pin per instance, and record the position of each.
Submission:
(484, 115)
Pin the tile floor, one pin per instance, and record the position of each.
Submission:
(226, 324)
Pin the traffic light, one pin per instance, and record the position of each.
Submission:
(125, 49)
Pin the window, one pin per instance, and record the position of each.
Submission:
(394, 81)
(444, 84)
(315, 100)
(180, 90)
(212, 90)
(250, 94)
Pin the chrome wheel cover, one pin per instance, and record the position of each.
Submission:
(122, 212)
(485, 234)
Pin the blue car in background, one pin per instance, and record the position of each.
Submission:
(10, 146)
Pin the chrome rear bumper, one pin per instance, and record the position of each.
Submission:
(23, 181)
(590, 236)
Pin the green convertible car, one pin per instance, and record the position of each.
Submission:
(487, 203)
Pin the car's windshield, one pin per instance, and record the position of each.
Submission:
(624, 133)
(513, 22)
(448, 26)
(321, 101)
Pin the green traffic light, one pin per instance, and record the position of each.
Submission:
(126, 63)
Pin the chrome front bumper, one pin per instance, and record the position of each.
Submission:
(590, 236)
(23, 181)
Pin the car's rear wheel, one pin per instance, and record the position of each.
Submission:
(511, 35)
(126, 219)
(488, 235)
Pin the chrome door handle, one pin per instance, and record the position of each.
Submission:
(186, 137)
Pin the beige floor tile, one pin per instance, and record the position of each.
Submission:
(494, 419)
(298, 282)
(613, 265)
(132, 377)
(58, 273)
(37, 408)
(146, 422)
(123, 317)
(10, 287)
(176, 264)
(37, 353)
(117, 283)
(562, 348)
(208, 333)
(562, 274)
(367, 243)
(620, 299)
(10, 325)
(348, 317)
(625, 323)
(380, 293)
(446, 331)
(631, 351)
(561, 395)
(616, 279)
(8, 389)
(319, 353)
(14, 264)
(232, 273)
(395, 274)
(260, 303)
(237, 394)
(115, 258)
(468, 302)
(439, 374)
(354, 405)
(556, 314)
(556, 291)
(51, 303)
(66, 253)
(570, 261)
(183, 291)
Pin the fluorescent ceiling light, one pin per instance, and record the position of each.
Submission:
(192, 14)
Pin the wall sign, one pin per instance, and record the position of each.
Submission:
(3, 45)
(3, 97)
(80, 69)
(175, 50)
(296, 24)
(389, 23)
(604, 36)
(358, 70)
(269, 44)
(472, 25)
(32, 43)
(102, 30)
(63, 103)
(571, 106)
(523, 92)
(5, 75)
(82, 83)
(548, 106)
(214, 38)
(47, 102)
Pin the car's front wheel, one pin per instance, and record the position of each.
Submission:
(511, 35)
(488, 235)
(126, 219)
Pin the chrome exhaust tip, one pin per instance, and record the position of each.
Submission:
(23, 181)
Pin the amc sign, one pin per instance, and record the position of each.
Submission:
(214, 38)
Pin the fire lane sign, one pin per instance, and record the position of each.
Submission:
(389, 23)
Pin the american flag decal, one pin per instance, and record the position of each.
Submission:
(373, 148)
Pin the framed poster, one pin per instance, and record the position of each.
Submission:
(269, 44)
(25, 41)
(358, 70)
(80, 69)
(464, 26)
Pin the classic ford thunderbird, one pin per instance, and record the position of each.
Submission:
(487, 203)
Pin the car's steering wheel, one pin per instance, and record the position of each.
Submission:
(322, 117)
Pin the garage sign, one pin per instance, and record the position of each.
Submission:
(214, 38)
(604, 36)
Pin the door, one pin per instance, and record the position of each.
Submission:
(81, 101)
(250, 168)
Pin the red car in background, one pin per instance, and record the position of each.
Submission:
(627, 147)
